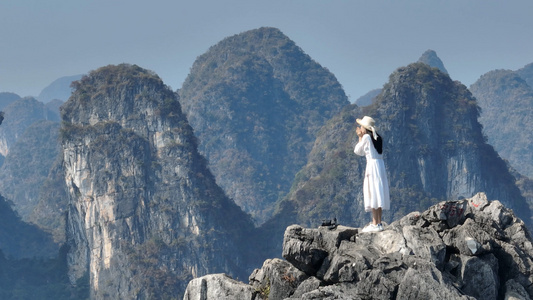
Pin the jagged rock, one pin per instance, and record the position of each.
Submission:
(278, 277)
(427, 283)
(308, 285)
(515, 291)
(217, 286)
(479, 275)
(306, 248)
(463, 249)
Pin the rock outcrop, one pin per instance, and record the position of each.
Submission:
(463, 249)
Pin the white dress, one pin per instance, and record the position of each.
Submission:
(375, 184)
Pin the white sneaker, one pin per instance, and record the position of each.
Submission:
(380, 227)
(371, 228)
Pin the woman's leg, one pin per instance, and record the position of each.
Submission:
(376, 215)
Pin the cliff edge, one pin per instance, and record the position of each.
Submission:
(464, 249)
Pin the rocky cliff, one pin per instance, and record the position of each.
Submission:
(462, 249)
(256, 102)
(144, 215)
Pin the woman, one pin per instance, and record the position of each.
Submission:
(375, 185)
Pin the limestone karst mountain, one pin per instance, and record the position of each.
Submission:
(7, 98)
(29, 146)
(145, 215)
(506, 99)
(526, 73)
(27, 165)
(462, 249)
(367, 98)
(433, 149)
(59, 89)
(18, 116)
(431, 59)
(256, 102)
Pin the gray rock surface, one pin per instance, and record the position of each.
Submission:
(463, 249)
(217, 286)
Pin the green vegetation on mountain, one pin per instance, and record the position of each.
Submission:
(506, 100)
(27, 165)
(39, 278)
(256, 102)
(49, 212)
(19, 115)
(22, 240)
(526, 73)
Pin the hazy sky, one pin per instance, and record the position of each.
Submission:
(361, 42)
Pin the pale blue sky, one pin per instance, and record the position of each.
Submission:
(361, 42)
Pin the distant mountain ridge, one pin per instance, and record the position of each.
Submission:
(7, 98)
(506, 100)
(256, 102)
(59, 89)
(19, 114)
(27, 165)
(526, 73)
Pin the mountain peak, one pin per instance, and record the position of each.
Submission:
(256, 102)
(430, 58)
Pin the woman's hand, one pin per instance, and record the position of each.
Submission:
(359, 132)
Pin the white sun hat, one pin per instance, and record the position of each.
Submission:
(368, 123)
